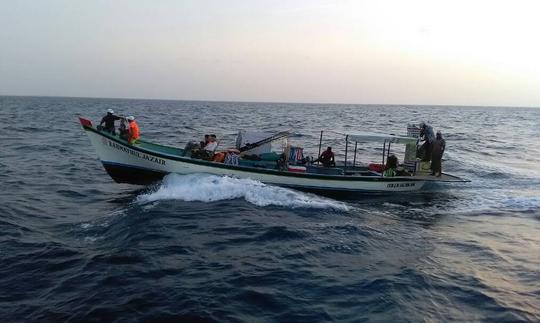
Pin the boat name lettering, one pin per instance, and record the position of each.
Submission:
(136, 153)
(396, 185)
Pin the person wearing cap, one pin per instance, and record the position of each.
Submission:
(438, 146)
(133, 130)
(109, 120)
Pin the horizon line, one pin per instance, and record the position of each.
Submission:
(269, 102)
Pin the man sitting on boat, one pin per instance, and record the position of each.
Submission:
(212, 144)
(393, 168)
(207, 152)
(205, 142)
(210, 148)
(327, 158)
(109, 120)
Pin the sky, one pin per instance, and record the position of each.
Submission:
(458, 52)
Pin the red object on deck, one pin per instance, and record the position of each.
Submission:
(85, 122)
(296, 169)
(376, 167)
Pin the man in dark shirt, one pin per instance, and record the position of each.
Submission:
(428, 137)
(205, 142)
(439, 145)
(327, 158)
(109, 120)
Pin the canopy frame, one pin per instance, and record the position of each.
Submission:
(371, 137)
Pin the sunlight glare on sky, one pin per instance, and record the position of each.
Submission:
(402, 52)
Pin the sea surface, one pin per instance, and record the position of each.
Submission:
(75, 246)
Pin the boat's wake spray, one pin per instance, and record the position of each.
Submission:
(211, 188)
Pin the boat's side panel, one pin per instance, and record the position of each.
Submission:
(132, 175)
(123, 163)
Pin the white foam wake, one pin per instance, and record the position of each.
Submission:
(210, 188)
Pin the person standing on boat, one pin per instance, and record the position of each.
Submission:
(327, 158)
(133, 130)
(439, 144)
(109, 120)
(428, 136)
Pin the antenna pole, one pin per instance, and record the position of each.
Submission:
(383, 151)
(346, 148)
(355, 147)
(320, 145)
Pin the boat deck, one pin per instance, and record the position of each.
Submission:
(443, 178)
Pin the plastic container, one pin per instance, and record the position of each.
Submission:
(376, 167)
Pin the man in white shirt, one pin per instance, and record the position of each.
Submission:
(211, 145)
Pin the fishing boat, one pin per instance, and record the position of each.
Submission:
(145, 163)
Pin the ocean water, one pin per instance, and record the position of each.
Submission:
(75, 246)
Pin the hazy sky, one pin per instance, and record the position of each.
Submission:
(470, 52)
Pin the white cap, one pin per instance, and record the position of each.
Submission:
(110, 111)
(131, 118)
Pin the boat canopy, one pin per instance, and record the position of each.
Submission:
(259, 142)
(370, 136)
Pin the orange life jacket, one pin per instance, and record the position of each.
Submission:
(219, 157)
(133, 131)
